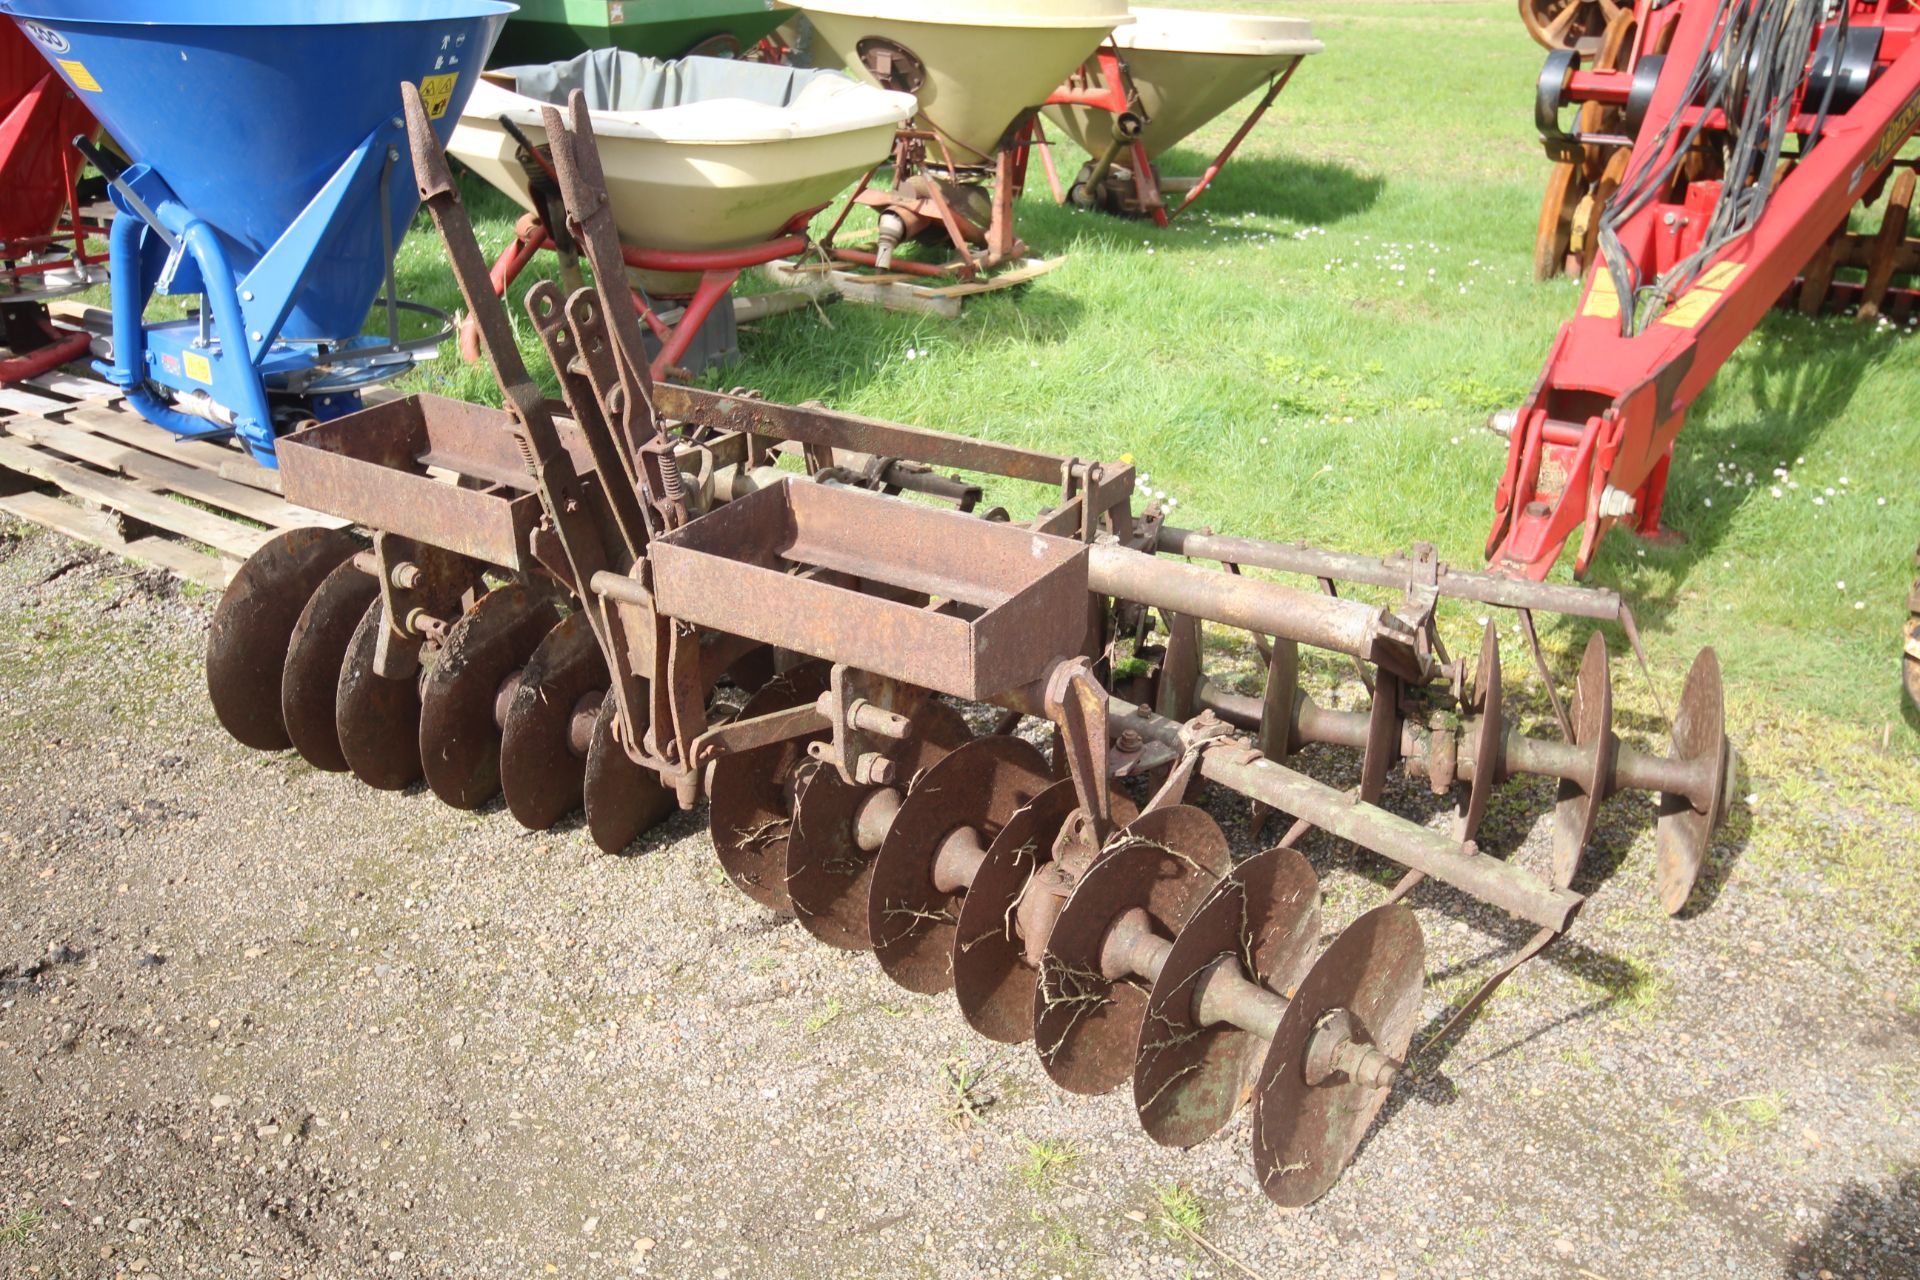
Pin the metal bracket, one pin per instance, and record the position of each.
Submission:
(868, 713)
(1077, 704)
(421, 587)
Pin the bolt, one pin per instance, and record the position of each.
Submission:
(1503, 421)
(1129, 742)
(874, 770)
(406, 575)
(1332, 1050)
(1615, 503)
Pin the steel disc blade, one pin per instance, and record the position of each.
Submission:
(541, 775)
(1383, 736)
(751, 793)
(310, 683)
(1264, 919)
(377, 719)
(459, 701)
(1086, 1027)
(1579, 802)
(253, 625)
(1487, 740)
(828, 873)
(1685, 827)
(623, 799)
(1304, 1135)
(991, 977)
(911, 920)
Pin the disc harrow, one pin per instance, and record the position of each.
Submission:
(561, 606)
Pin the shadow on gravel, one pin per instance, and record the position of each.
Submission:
(1871, 1233)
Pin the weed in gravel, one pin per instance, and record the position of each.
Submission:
(968, 1098)
(1729, 1126)
(1636, 987)
(1046, 1162)
(1181, 1213)
(829, 1013)
(1064, 1241)
(1671, 1184)
(19, 1226)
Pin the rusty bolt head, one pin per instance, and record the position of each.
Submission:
(874, 770)
(1333, 1051)
(406, 575)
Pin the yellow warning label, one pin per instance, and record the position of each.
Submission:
(1602, 302)
(1721, 275)
(436, 94)
(1690, 308)
(81, 77)
(198, 367)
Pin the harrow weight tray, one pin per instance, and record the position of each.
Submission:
(956, 604)
(379, 471)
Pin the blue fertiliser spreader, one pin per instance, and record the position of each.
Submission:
(270, 175)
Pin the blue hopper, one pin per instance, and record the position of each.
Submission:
(270, 175)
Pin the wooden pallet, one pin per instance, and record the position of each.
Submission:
(76, 459)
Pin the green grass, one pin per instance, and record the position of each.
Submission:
(1045, 1162)
(1181, 1214)
(1314, 354)
(19, 1226)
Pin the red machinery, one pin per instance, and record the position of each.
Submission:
(717, 272)
(42, 253)
(1143, 191)
(1718, 151)
(673, 336)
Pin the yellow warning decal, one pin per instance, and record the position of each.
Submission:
(1721, 275)
(1602, 302)
(436, 94)
(1895, 136)
(81, 77)
(1690, 308)
(198, 367)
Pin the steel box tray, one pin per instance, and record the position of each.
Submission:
(1004, 602)
(371, 467)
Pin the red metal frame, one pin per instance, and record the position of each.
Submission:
(1115, 95)
(1608, 407)
(909, 158)
(718, 269)
(39, 198)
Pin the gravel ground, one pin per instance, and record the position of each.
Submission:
(258, 1020)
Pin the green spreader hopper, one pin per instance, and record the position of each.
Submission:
(552, 30)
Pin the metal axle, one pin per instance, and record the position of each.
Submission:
(1224, 994)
